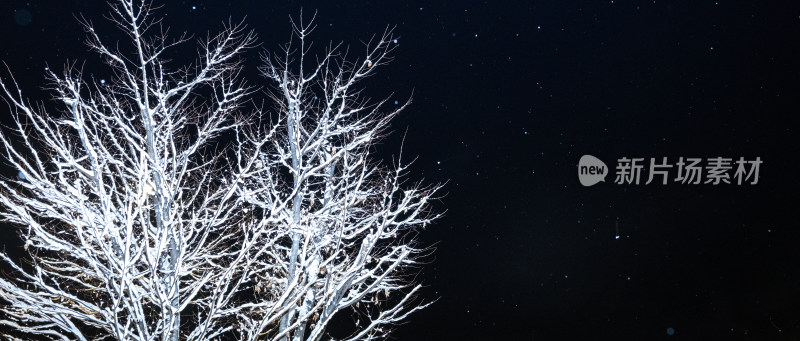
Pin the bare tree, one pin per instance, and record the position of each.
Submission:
(159, 205)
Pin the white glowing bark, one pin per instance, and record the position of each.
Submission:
(153, 196)
(352, 220)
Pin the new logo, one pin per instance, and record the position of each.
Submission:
(591, 170)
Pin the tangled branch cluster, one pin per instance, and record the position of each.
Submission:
(160, 205)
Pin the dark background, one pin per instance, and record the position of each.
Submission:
(507, 97)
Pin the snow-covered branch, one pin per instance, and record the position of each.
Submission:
(153, 206)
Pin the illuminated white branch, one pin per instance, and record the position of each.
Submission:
(152, 206)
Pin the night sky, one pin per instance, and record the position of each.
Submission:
(507, 96)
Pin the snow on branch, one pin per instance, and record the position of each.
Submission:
(159, 205)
